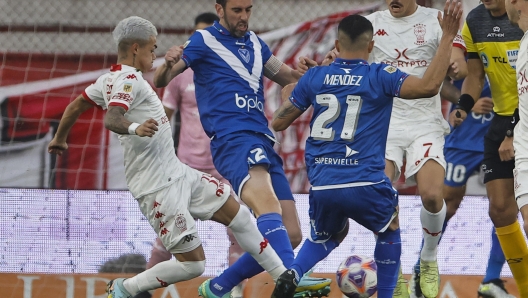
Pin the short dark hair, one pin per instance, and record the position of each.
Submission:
(221, 2)
(206, 17)
(355, 26)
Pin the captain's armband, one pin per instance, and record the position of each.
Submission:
(272, 66)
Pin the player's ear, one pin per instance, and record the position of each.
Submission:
(135, 47)
(370, 46)
(336, 45)
(219, 10)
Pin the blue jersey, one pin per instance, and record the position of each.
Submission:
(470, 134)
(352, 103)
(228, 73)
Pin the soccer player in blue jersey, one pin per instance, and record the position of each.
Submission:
(352, 104)
(229, 64)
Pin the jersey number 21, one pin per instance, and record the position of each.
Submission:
(319, 130)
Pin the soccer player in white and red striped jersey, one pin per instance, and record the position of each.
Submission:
(407, 36)
(169, 193)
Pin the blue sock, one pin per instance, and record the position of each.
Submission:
(417, 265)
(310, 254)
(271, 227)
(496, 259)
(387, 255)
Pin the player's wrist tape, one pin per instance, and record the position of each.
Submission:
(465, 102)
(132, 128)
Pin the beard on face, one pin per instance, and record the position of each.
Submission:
(234, 29)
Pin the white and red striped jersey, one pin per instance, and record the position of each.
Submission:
(150, 163)
(410, 44)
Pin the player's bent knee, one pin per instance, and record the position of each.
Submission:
(340, 236)
(241, 220)
(430, 194)
(502, 216)
(194, 269)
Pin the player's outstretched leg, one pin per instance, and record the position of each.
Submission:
(387, 255)
(259, 193)
(252, 241)
(161, 275)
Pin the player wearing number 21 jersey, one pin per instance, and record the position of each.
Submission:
(345, 152)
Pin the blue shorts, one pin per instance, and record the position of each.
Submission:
(461, 164)
(236, 153)
(372, 206)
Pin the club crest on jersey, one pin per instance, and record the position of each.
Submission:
(512, 57)
(244, 53)
(419, 31)
(390, 69)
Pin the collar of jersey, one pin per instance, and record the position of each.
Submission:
(118, 67)
(223, 30)
(339, 61)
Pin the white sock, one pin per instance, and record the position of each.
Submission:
(250, 239)
(432, 224)
(162, 275)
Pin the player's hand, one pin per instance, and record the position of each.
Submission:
(506, 152)
(453, 70)
(304, 64)
(173, 55)
(148, 128)
(457, 117)
(450, 21)
(330, 57)
(56, 147)
(484, 105)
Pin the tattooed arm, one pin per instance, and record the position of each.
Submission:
(115, 121)
(287, 112)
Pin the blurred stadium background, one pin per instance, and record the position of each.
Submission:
(72, 215)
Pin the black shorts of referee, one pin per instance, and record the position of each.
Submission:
(492, 165)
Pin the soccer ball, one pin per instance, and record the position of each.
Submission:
(356, 277)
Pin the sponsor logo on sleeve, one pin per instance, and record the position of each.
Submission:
(122, 96)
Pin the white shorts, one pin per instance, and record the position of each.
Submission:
(416, 143)
(172, 211)
(520, 173)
